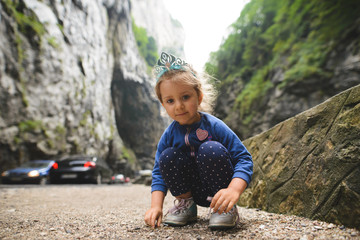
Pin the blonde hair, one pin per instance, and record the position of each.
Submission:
(200, 82)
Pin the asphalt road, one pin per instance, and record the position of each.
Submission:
(117, 211)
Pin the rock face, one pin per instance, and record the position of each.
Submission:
(282, 102)
(168, 32)
(70, 75)
(309, 165)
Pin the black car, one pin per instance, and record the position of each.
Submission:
(80, 169)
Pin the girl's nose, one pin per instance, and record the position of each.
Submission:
(179, 104)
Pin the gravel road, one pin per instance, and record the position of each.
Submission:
(117, 212)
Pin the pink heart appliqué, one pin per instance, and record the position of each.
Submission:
(201, 134)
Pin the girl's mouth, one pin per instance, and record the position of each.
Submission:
(180, 114)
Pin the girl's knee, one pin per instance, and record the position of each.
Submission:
(211, 153)
(168, 155)
(173, 157)
(212, 147)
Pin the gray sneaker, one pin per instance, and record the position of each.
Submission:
(183, 212)
(224, 220)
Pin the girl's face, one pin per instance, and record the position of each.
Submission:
(180, 101)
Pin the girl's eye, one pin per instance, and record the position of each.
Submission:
(170, 101)
(186, 97)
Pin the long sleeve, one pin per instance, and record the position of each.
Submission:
(158, 183)
(241, 158)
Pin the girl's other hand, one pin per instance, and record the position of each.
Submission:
(226, 198)
(153, 217)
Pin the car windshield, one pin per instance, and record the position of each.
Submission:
(35, 164)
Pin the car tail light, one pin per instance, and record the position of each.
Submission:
(55, 166)
(113, 178)
(89, 164)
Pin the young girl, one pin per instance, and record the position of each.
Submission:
(199, 158)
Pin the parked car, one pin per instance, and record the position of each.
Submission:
(144, 177)
(36, 171)
(80, 169)
(119, 178)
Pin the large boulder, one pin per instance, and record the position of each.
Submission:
(309, 165)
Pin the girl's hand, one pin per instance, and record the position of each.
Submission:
(226, 198)
(153, 217)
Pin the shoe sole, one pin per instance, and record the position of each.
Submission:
(179, 224)
(220, 227)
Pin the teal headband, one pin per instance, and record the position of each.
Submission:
(166, 63)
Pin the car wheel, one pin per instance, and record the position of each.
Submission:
(98, 179)
(43, 181)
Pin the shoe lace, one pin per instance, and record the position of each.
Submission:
(180, 206)
(233, 210)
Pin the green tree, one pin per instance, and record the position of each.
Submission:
(151, 55)
(146, 45)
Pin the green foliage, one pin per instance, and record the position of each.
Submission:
(52, 41)
(61, 27)
(89, 124)
(26, 127)
(30, 126)
(255, 90)
(24, 22)
(146, 45)
(125, 153)
(151, 54)
(296, 36)
(60, 132)
(22, 90)
(28, 25)
(85, 117)
(128, 154)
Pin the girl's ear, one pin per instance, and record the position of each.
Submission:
(201, 95)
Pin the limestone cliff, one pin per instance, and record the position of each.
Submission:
(70, 76)
(309, 165)
(153, 16)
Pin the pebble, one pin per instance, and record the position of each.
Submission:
(330, 226)
(304, 237)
